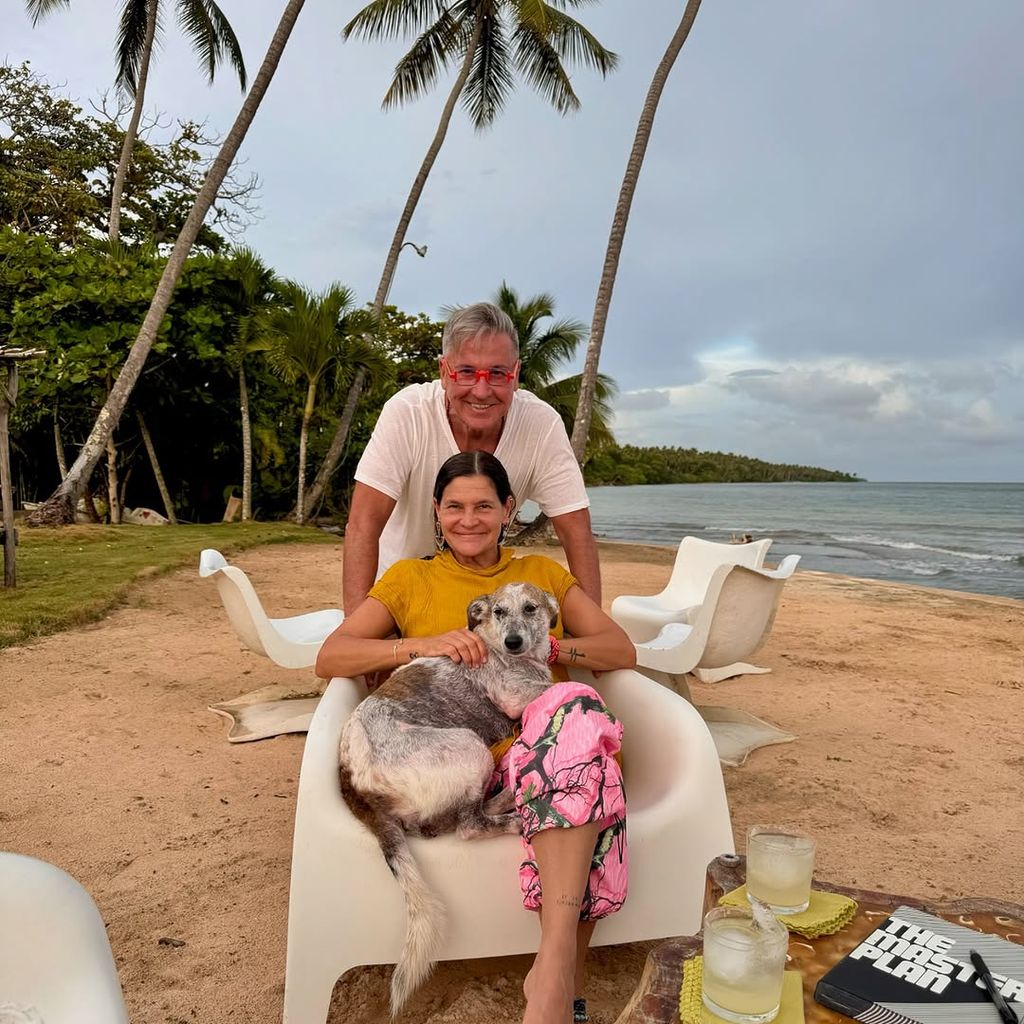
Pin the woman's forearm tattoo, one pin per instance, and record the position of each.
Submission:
(574, 654)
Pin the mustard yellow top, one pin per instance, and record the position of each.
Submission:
(428, 596)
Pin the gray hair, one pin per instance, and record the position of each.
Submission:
(468, 322)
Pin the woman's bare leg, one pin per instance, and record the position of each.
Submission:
(563, 857)
(584, 933)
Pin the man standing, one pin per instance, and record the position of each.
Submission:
(476, 405)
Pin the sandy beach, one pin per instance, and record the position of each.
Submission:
(908, 768)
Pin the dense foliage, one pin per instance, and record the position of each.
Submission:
(627, 464)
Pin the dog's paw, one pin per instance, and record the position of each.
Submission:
(504, 802)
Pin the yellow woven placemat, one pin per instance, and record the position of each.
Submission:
(826, 914)
(693, 1011)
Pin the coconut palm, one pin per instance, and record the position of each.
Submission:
(588, 386)
(257, 293)
(59, 507)
(490, 41)
(213, 41)
(543, 348)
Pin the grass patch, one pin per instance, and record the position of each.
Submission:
(75, 574)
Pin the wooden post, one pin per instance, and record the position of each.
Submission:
(8, 396)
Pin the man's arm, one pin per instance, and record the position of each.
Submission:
(367, 517)
(577, 538)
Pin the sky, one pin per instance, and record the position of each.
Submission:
(824, 262)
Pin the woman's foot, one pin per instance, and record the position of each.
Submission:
(549, 989)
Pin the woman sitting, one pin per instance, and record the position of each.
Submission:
(562, 766)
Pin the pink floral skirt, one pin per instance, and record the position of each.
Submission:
(563, 772)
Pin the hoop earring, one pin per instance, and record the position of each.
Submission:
(502, 534)
(439, 542)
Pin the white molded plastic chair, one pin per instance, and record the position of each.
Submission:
(642, 617)
(346, 910)
(55, 957)
(732, 624)
(292, 642)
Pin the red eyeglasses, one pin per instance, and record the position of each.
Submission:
(467, 376)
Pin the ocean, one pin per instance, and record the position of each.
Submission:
(958, 536)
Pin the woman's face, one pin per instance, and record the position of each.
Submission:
(471, 516)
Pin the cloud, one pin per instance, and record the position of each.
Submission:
(647, 399)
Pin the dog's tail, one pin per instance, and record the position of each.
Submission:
(424, 912)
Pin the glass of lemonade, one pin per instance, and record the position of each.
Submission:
(780, 865)
(744, 961)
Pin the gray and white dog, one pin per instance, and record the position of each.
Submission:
(414, 756)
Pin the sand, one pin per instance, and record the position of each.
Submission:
(908, 767)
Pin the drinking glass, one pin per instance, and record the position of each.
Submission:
(780, 864)
(744, 960)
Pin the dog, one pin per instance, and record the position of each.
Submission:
(414, 756)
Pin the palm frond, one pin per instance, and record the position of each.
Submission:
(540, 64)
(563, 395)
(39, 9)
(394, 19)
(418, 70)
(131, 41)
(490, 79)
(212, 37)
(231, 51)
(575, 44)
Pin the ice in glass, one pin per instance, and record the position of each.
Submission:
(780, 864)
(744, 960)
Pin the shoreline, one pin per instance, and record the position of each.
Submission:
(120, 775)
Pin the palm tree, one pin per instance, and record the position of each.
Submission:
(307, 336)
(59, 507)
(543, 349)
(213, 41)
(490, 41)
(257, 293)
(586, 406)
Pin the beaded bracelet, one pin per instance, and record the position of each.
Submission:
(555, 648)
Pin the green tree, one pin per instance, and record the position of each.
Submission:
(588, 386)
(59, 507)
(543, 348)
(56, 164)
(490, 41)
(257, 293)
(213, 41)
(308, 335)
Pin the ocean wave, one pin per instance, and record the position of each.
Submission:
(909, 545)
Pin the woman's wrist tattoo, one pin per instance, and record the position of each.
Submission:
(574, 653)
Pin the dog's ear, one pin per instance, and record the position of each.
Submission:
(552, 608)
(478, 610)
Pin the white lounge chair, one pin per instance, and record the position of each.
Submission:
(55, 960)
(292, 642)
(642, 617)
(346, 910)
(732, 623)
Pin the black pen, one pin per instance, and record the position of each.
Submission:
(1009, 1017)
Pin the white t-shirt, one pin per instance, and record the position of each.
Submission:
(413, 438)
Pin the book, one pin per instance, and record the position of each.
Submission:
(915, 968)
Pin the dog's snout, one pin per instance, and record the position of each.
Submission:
(514, 643)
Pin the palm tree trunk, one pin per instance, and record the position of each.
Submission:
(333, 456)
(59, 507)
(58, 443)
(307, 415)
(113, 504)
(584, 407)
(8, 396)
(243, 400)
(133, 125)
(165, 495)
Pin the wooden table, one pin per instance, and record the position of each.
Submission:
(656, 999)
